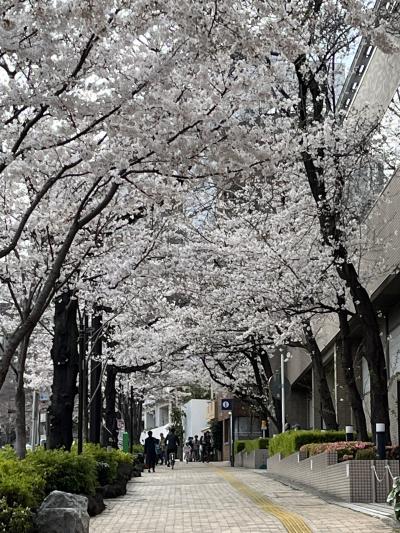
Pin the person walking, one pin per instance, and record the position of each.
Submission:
(171, 442)
(150, 451)
(196, 448)
(205, 442)
(187, 452)
(162, 457)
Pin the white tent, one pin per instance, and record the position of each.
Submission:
(156, 433)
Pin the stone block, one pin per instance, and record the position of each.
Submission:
(63, 512)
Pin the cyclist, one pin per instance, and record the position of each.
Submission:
(171, 442)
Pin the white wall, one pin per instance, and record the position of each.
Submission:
(196, 417)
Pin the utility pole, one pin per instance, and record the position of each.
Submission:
(232, 439)
(34, 428)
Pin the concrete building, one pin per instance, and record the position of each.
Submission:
(195, 419)
(372, 85)
(246, 424)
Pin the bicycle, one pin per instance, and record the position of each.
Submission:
(171, 459)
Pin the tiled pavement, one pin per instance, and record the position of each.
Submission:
(196, 498)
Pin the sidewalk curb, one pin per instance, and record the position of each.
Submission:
(388, 521)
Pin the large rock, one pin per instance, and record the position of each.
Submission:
(63, 512)
(96, 504)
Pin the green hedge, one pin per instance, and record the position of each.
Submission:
(106, 462)
(66, 471)
(250, 445)
(291, 441)
(25, 483)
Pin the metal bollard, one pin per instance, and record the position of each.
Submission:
(349, 433)
(381, 441)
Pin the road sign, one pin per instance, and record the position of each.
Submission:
(264, 424)
(226, 404)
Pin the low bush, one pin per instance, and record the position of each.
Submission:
(345, 449)
(137, 448)
(15, 518)
(291, 441)
(393, 452)
(106, 462)
(25, 483)
(20, 483)
(240, 445)
(65, 471)
(250, 445)
(368, 454)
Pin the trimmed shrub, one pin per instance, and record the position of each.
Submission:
(137, 448)
(240, 445)
(20, 484)
(250, 445)
(291, 441)
(65, 471)
(25, 483)
(106, 462)
(368, 454)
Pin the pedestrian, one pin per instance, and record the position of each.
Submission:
(187, 452)
(196, 448)
(162, 457)
(171, 442)
(205, 442)
(150, 451)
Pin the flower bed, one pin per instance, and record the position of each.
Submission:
(291, 441)
(345, 449)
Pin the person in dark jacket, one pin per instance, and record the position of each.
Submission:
(150, 451)
(172, 442)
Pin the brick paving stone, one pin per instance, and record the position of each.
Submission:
(196, 497)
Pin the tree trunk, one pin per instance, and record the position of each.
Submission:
(328, 410)
(110, 432)
(64, 354)
(137, 420)
(276, 402)
(96, 400)
(346, 359)
(374, 353)
(29, 323)
(20, 402)
(86, 383)
(330, 218)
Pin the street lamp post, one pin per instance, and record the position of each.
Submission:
(131, 421)
(283, 406)
(232, 439)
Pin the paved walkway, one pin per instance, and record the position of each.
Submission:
(196, 497)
